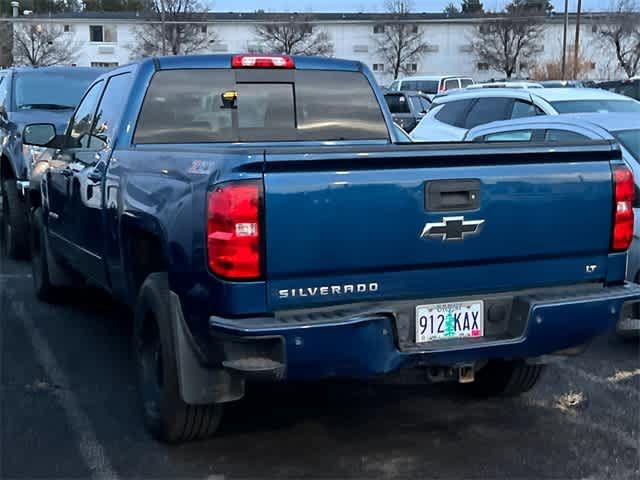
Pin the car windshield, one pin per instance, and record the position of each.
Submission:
(602, 106)
(397, 103)
(630, 139)
(425, 86)
(52, 90)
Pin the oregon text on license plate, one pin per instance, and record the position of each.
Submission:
(449, 320)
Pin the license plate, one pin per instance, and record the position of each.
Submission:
(440, 321)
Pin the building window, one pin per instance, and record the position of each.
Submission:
(96, 33)
(378, 29)
(594, 28)
(524, 66)
(104, 64)
(103, 33)
(411, 67)
(67, 28)
(203, 29)
(414, 28)
(378, 67)
(592, 65)
(483, 66)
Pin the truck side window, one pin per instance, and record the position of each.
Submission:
(453, 113)
(82, 120)
(111, 107)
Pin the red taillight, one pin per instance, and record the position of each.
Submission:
(262, 61)
(233, 230)
(624, 193)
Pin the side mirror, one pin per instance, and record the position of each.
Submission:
(39, 134)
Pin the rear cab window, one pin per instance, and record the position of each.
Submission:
(225, 106)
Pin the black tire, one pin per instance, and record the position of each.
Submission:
(42, 285)
(15, 222)
(166, 416)
(508, 379)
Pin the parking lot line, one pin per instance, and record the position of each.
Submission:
(87, 442)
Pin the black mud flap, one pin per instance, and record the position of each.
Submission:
(199, 385)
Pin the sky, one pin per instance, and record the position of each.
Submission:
(373, 5)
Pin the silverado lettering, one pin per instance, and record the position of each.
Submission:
(328, 290)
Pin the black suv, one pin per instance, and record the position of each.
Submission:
(31, 95)
(407, 108)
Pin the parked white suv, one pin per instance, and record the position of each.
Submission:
(431, 85)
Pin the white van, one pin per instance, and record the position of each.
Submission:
(431, 85)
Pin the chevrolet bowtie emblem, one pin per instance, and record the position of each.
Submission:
(452, 228)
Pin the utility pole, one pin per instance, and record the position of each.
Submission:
(564, 40)
(164, 30)
(576, 45)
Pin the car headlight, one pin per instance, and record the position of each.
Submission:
(33, 154)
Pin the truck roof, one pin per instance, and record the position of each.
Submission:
(224, 61)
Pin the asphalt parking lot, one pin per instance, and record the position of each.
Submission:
(69, 409)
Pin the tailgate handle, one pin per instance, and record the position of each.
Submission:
(452, 195)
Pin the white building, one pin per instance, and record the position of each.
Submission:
(105, 39)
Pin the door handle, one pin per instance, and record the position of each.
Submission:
(452, 195)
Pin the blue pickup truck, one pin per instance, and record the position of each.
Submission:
(260, 218)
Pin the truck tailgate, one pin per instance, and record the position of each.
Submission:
(432, 220)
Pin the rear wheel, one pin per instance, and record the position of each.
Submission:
(15, 224)
(167, 417)
(501, 378)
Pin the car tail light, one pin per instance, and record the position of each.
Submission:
(233, 230)
(262, 61)
(624, 193)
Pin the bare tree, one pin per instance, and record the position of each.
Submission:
(293, 34)
(621, 31)
(505, 41)
(451, 10)
(399, 42)
(178, 28)
(42, 45)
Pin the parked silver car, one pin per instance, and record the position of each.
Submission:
(621, 127)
